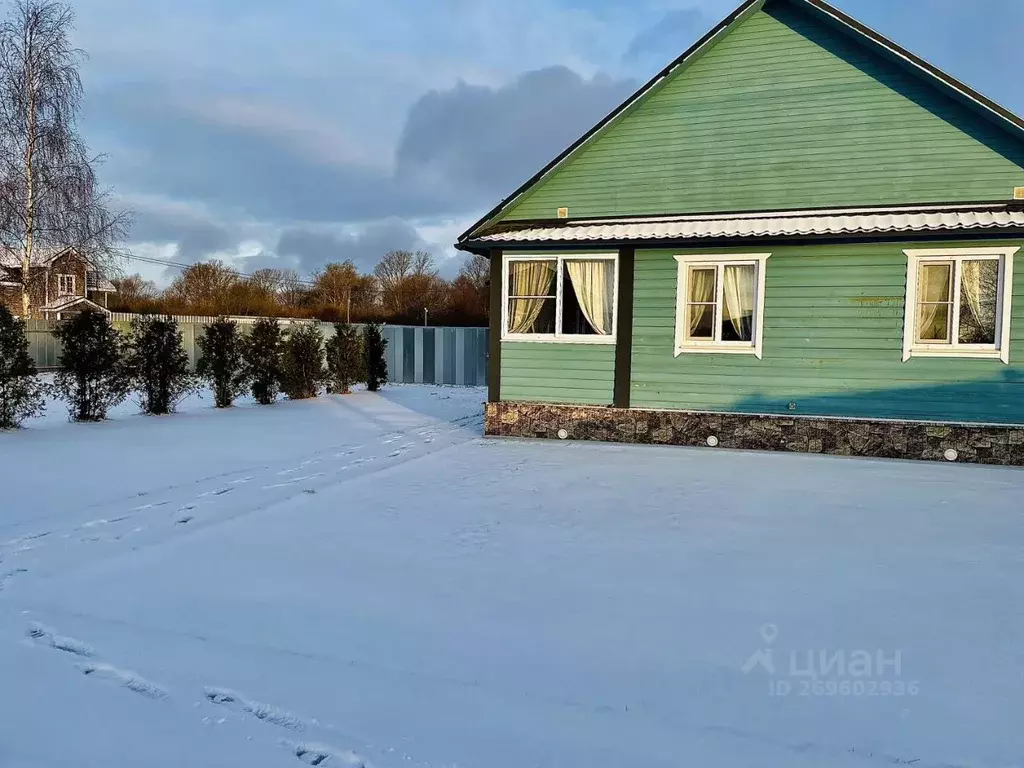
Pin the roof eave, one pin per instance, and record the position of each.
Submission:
(708, 242)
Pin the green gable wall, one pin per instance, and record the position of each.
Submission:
(833, 344)
(557, 373)
(784, 112)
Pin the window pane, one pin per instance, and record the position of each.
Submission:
(700, 320)
(738, 298)
(935, 282)
(700, 307)
(531, 315)
(531, 278)
(702, 284)
(588, 298)
(933, 322)
(979, 297)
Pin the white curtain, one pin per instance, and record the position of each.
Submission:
(594, 283)
(702, 289)
(979, 283)
(738, 290)
(934, 293)
(970, 282)
(531, 279)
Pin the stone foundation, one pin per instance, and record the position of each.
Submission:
(980, 444)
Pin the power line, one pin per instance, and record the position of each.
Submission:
(177, 265)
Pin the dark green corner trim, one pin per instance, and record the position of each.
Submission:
(494, 360)
(624, 332)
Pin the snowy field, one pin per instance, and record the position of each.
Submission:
(365, 580)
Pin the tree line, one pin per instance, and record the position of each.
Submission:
(403, 288)
(100, 367)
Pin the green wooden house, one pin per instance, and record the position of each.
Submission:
(797, 236)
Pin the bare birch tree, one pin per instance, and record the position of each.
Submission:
(50, 199)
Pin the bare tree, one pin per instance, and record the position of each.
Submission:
(407, 280)
(267, 279)
(341, 287)
(135, 288)
(204, 288)
(50, 199)
(477, 270)
(292, 292)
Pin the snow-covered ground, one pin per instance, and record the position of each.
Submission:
(367, 580)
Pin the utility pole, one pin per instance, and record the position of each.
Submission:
(348, 310)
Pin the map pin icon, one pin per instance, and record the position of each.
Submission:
(769, 632)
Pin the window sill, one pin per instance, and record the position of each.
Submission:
(601, 340)
(967, 354)
(719, 349)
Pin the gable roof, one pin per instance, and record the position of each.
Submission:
(40, 257)
(944, 82)
(66, 302)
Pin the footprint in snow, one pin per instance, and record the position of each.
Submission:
(48, 638)
(129, 680)
(265, 712)
(320, 754)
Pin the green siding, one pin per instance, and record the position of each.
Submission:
(557, 373)
(833, 344)
(784, 112)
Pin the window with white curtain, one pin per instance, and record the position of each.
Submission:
(958, 303)
(569, 298)
(720, 303)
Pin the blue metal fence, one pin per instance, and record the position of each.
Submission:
(437, 355)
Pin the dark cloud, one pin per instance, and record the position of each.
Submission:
(462, 149)
(476, 144)
(309, 250)
(658, 45)
(177, 153)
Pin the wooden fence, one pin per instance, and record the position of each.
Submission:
(415, 355)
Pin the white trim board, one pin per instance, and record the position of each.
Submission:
(557, 337)
(685, 262)
(998, 351)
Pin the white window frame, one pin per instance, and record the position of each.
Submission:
(558, 336)
(60, 282)
(998, 351)
(719, 261)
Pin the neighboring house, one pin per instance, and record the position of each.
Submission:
(797, 218)
(62, 283)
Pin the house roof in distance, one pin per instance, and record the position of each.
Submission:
(40, 257)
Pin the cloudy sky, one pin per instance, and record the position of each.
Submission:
(292, 134)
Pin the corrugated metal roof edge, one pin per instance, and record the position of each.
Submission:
(809, 227)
